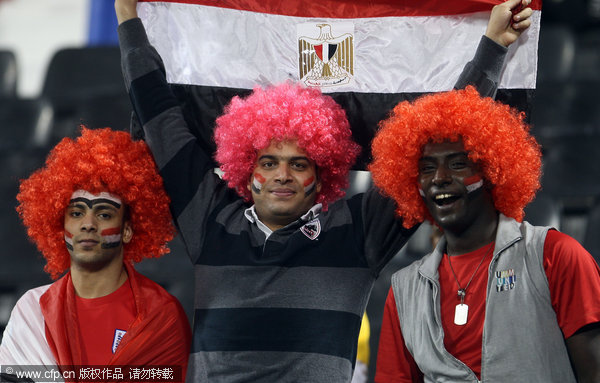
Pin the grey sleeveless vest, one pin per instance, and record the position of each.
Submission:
(522, 341)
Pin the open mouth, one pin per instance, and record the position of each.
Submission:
(445, 199)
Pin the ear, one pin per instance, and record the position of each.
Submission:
(127, 232)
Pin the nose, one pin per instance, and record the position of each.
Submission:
(88, 223)
(284, 174)
(441, 176)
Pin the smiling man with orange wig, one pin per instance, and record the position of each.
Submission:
(95, 208)
(498, 299)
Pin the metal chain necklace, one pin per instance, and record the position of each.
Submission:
(461, 312)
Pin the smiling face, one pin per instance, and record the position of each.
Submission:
(284, 184)
(452, 186)
(95, 230)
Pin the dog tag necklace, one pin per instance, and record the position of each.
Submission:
(461, 312)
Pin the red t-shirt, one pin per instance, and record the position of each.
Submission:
(103, 322)
(574, 281)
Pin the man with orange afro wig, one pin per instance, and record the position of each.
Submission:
(283, 265)
(96, 207)
(498, 300)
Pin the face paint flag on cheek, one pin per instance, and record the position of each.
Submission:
(112, 237)
(421, 193)
(473, 183)
(310, 186)
(257, 183)
(69, 240)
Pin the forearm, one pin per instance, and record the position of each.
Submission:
(483, 72)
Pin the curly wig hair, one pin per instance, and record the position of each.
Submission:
(286, 112)
(99, 160)
(494, 135)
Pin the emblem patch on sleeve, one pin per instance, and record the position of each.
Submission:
(312, 229)
(119, 334)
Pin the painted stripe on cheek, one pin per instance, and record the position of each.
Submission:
(111, 231)
(473, 183)
(258, 182)
(310, 185)
(69, 240)
(112, 237)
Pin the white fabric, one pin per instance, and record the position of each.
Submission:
(24, 341)
(361, 372)
(214, 46)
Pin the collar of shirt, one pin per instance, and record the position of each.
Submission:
(251, 216)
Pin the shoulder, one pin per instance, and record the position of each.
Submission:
(409, 275)
(34, 295)
(562, 248)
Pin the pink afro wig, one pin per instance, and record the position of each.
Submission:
(99, 160)
(281, 113)
(494, 135)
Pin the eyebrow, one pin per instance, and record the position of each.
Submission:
(451, 155)
(91, 203)
(272, 157)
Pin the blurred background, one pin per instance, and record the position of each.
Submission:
(59, 68)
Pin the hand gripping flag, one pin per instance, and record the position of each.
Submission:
(367, 55)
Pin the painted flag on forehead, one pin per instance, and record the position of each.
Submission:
(367, 55)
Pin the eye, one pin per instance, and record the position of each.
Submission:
(75, 213)
(105, 215)
(299, 165)
(426, 169)
(457, 165)
(268, 164)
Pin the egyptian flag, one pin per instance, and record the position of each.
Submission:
(367, 55)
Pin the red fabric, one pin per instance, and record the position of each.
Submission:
(574, 283)
(99, 318)
(394, 362)
(159, 335)
(353, 9)
(464, 342)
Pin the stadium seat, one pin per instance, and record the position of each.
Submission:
(25, 123)
(8, 74)
(591, 240)
(85, 86)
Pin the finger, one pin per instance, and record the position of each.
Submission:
(511, 4)
(521, 26)
(523, 15)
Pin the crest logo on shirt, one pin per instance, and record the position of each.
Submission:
(326, 54)
(312, 229)
(505, 280)
(119, 334)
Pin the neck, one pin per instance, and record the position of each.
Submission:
(98, 283)
(477, 235)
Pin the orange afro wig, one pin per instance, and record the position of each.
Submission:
(495, 136)
(286, 112)
(100, 160)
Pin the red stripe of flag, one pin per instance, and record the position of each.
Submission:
(112, 231)
(353, 9)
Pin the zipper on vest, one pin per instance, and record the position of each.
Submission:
(438, 319)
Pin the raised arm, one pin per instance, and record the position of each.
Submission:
(503, 29)
(126, 10)
(185, 163)
(508, 20)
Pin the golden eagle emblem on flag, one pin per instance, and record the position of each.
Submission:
(327, 59)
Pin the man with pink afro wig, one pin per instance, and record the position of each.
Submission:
(283, 265)
(498, 300)
(97, 206)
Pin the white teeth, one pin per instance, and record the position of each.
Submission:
(442, 196)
